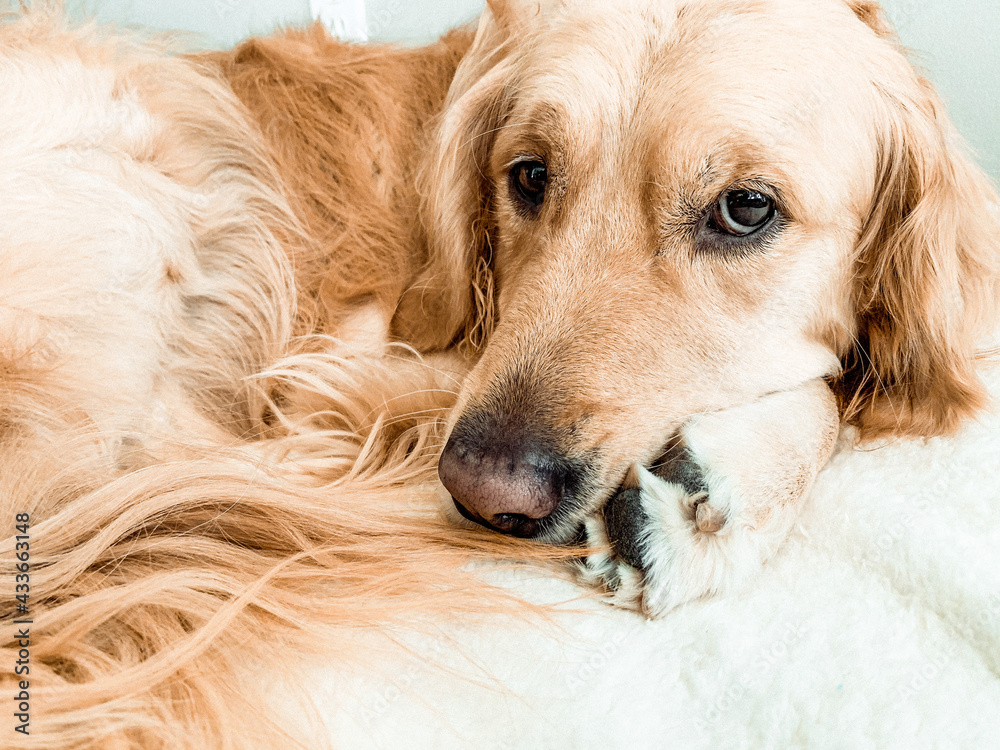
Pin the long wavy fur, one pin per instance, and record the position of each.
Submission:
(280, 496)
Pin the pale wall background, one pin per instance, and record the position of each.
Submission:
(956, 41)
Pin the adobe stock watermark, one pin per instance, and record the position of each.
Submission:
(594, 664)
(888, 535)
(903, 13)
(925, 673)
(379, 23)
(224, 8)
(989, 616)
(915, 507)
(22, 623)
(774, 653)
(431, 651)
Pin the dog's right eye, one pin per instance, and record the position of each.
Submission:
(529, 179)
(741, 213)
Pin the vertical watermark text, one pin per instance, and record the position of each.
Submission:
(22, 622)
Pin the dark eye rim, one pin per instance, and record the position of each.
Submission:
(531, 200)
(717, 240)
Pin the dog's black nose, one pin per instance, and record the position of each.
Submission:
(510, 486)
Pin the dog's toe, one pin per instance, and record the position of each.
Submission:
(707, 518)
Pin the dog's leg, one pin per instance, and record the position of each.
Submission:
(705, 517)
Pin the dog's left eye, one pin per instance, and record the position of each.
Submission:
(529, 179)
(741, 212)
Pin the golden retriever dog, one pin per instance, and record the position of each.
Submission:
(618, 271)
(675, 286)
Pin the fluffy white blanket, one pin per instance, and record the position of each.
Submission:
(877, 626)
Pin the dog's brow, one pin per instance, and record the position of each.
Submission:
(491, 131)
(707, 174)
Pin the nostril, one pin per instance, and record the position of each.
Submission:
(515, 524)
(508, 521)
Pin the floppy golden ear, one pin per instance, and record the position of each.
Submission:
(926, 279)
(451, 299)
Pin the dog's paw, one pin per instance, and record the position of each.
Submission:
(705, 517)
(660, 537)
(617, 566)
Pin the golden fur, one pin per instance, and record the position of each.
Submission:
(242, 475)
(346, 126)
(179, 508)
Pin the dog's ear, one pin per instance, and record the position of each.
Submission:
(451, 299)
(512, 16)
(871, 14)
(505, 13)
(925, 278)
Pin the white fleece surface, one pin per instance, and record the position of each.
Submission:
(877, 626)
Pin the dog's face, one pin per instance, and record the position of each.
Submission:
(682, 207)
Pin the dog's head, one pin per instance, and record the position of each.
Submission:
(663, 207)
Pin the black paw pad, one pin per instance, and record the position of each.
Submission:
(626, 520)
(677, 465)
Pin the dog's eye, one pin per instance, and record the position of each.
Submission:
(529, 179)
(741, 212)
